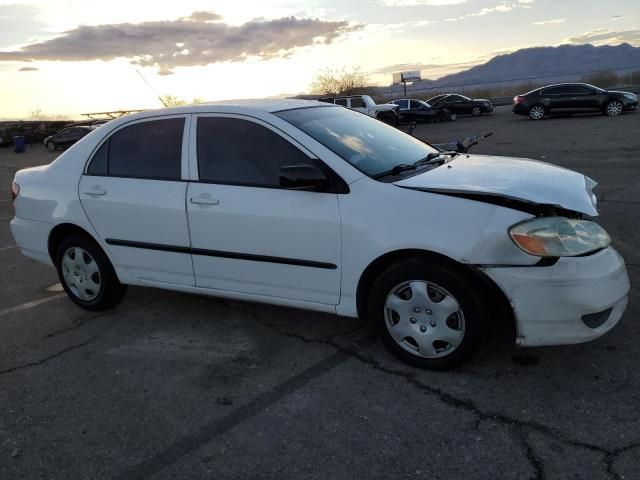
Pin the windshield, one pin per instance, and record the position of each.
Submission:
(424, 104)
(366, 143)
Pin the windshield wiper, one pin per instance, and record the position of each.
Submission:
(435, 157)
(397, 170)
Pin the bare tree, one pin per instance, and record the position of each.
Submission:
(36, 113)
(339, 82)
(172, 101)
(605, 78)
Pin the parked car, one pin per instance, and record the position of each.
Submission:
(66, 137)
(326, 209)
(365, 104)
(573, 98)
(411, 110)
(461, 105)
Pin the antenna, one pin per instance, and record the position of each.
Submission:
(151, 88)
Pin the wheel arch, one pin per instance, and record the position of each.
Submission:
(500, 315)
(59, 232)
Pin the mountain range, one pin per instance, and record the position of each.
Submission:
(538, 65)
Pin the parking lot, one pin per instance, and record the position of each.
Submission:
(170, 384)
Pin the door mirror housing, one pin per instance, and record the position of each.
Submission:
(298, 177)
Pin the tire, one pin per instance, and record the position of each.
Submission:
(51, 146)
(537, 112)
(476, 111)
(613, 108)
(389, 119)
(453, 117)
(86, 274)
(440, 304)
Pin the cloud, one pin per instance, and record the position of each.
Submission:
(416, 3)
(28, 69)
(602, 36)
(406, 67)
(500, 8)
(199, 39)
(555, 21)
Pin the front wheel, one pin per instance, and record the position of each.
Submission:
(614, 108)
(427, 314)
(51, 146)
(536, 112)
(476, 111)
(86, 274)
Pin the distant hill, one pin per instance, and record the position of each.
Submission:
(548, 64)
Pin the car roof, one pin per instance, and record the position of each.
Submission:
(234, 106)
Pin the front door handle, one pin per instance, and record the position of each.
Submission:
(204, 200)
(95, 190)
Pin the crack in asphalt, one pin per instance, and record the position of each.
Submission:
(610, 455)
(57, 354)
(535, 461)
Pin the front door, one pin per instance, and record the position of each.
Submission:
(134, 195)
(249, 234)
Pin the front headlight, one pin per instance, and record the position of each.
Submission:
(559, 237)
(631, 96)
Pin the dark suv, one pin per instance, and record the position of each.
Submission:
(66, 137)
(573, 98)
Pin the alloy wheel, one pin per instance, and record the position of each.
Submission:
(476, 111)
(81, 274)
(536, 112)
(424, 319)
(614, 108)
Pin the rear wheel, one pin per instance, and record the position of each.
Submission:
(427, 314)
(614, 108)
(86, 274)
(51, 146)
(476, 111)
(389, 118)
(536, 112)
(453, 117)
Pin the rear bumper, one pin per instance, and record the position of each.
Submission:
(552, 304)
(520, 109)
(32, 237)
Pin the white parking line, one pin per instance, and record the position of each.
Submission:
(28, 305)
(8, 248)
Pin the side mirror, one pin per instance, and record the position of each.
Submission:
(298, 177)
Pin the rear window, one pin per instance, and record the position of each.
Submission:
(151, 150)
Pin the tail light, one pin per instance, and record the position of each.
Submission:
(518, 99)
(15, 190)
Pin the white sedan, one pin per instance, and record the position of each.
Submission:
(314, 206)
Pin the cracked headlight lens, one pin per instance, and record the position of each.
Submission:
(559, 237)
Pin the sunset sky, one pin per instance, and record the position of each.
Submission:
(75, 56)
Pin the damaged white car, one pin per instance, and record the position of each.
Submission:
(314, 206)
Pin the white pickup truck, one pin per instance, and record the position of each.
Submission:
(365, 104)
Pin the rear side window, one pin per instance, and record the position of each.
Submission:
(239, 152)
(357, 102)
(342, 102)
(150, 150)
(403, 104)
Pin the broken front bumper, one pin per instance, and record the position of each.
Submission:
(576, 300)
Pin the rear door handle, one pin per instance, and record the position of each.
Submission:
(204, 200)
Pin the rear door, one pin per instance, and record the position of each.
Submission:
(559, 98)
(248, 233)
(358, 104)
(134, 191)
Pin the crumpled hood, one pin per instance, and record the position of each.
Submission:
(512, 178)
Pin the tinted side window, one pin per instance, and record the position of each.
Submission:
(555, 91)
(240, 152)
(403, 104)
(99, 165)
(147, 150)
(415, 104)
(341, 101)
(357, 103)
(581, 90)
